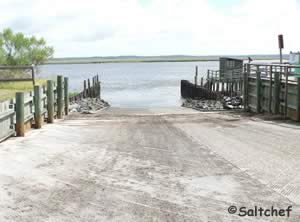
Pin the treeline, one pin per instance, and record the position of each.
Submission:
(18, 49)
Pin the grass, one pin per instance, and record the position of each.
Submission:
(8, 89)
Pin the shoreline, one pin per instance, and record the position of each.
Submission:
(99, 61)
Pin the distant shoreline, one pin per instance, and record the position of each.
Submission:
(99, 60)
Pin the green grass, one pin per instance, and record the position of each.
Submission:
(8, 89)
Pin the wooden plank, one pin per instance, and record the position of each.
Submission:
(6, 119)
(16, 80)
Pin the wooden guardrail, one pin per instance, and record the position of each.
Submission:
(272, 88)
(212, 86)
(43, 104)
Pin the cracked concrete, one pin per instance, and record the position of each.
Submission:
(150, 165)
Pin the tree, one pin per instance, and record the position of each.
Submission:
(17, 49)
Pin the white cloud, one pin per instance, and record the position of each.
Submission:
(123, 27)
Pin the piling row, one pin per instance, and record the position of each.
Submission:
(91, 89)
(42, 105)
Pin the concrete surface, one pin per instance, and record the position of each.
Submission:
(150, 165)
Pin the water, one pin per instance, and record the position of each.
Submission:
(133, 84)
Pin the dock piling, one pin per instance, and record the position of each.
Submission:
(60, 101)
(50, 101)
(37, 107)
(20, 127)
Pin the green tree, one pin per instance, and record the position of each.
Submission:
(17, 49)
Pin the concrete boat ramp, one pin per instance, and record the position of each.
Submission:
(151, 165)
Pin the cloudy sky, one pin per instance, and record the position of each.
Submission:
(79, 28)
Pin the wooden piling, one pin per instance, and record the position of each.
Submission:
(20, 127)
(37, 107)
(201, 82)
(196, 76)
(50, 101)
(222, 85)
(208, 81)
(93, 87)
(245, 87)
(66, 94)
(235, 87)
(89, 88)
(60, 101)
(84, 89)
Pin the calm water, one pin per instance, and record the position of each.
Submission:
(133, 84)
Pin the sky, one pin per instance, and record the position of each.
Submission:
(84, 28)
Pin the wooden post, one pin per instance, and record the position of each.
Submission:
(208, 82)
(20, 127)
(37, 107)
(96, 88)
(258, 90)
(89, 89)
(235, 86)
(245, 96)
(227, 85)
(60, 101)
(66, 94)
(298, 99)
(84, 89)
(50, 101)
(270, 89)
(222, 85)
(33, 75)
(286, 72)
(196, 77)
(277, 86)
(218, 83)
(201, 81)
(93, 87)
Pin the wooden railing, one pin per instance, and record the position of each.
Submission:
(43, 104)
(272, 88)
(213, 82)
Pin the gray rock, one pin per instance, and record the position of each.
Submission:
(88, 105)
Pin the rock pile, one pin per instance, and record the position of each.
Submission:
(232, 102)
(203, 105)
(214, 105)
(88, 105)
